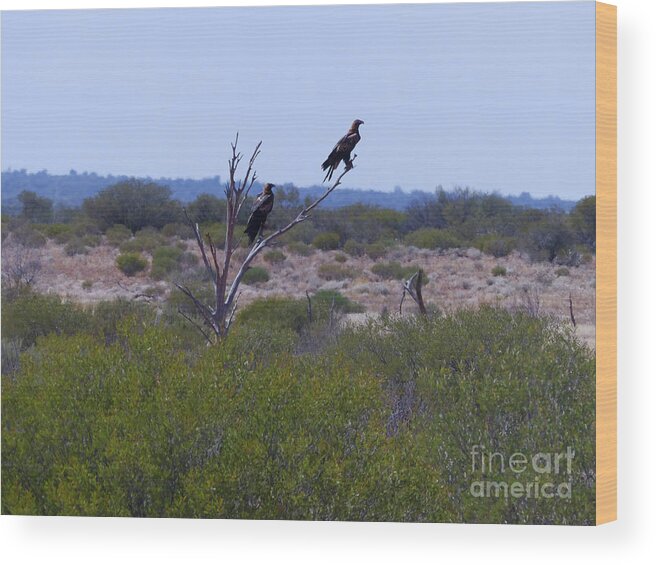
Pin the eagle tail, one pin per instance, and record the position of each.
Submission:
(253, 228)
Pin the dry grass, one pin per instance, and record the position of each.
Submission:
(458, 278)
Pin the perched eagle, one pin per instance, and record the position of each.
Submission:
(342, 151)
(261, 209)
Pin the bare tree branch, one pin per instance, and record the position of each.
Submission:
(261, 244)
(196, 325)
(220, 315)
(413, 287)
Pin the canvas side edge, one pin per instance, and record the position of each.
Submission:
(606, 275)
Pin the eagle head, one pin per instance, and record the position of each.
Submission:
(268, 186)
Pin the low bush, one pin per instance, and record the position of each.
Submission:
(335, 272)
(378, 427)
(496, 245)
(499, 271)
(177, 229)
(562, 272)
(340, 258)
(131, 263)
(274, 257)
(432, 238)
(354, 248)
(27, 236)
(326, 241)
(300, 248)
(323, 300)
(60, 233)
(117, 235)
(375, 251)
(76, 246)
(395, 271)
(147, 239)
(166, 260)
(255, 275)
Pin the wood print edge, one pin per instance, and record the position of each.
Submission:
(606, 276)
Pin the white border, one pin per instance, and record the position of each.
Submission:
(75, 540)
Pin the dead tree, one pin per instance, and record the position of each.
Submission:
(218, 316)
(413, 287)
(571, 310)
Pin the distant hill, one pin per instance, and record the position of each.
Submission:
(73, 188)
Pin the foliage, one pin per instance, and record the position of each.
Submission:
(35, 208)
(499, 271)
(134, 203)
(323, 300)
(207, 209)
(300, 248)
(335, 272)
(131, 263)
(276, 313)
(496, 245)
(178, 229)
(379, 426)
(76, 246)
(27, 236)
(117, 235)
(583, 220)
(167, 260)
(147, 239)
(432, 238)
(326, 241)
(375, 251)
(354, 248)
(255, 275)
(394, 270)
(274, 256)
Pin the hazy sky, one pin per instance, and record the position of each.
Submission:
(494, 96)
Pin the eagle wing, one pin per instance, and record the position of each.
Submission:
(343, 148)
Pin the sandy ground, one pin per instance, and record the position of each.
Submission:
(458, 278)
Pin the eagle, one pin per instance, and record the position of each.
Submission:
(261, 209)
(342, 151)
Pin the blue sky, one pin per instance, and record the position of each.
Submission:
(494, 96)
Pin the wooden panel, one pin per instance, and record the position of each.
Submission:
(606, 187)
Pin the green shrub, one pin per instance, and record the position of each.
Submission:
(375, 251)
(496, 245)
(147, 239)
(274, 257)
(76, 246)
(498, 271)
(562, 272)
(117, 235)
(30, 315)
(395, 271)
(432, 238)
(91, 240)
(217, 232)
(29, 237)
(340, 258)
(300, 248)
(354, 248)
(87, 285)
(131, 263)
(335, 272)
(166, 260)
(326, 241)
(379, 427)
(178, 229)
(60, 233)
(255, 275)
(323, 300)
(275, 313)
